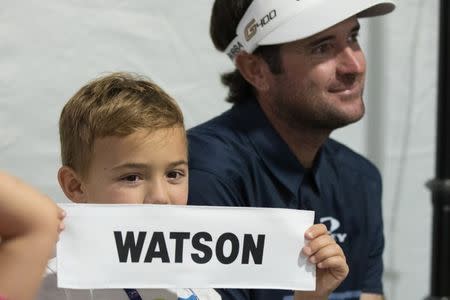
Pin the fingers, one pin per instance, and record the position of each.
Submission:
(61, 216)
(321, 246)
(315, 231)
(336, 266)
(335, 263)
(61, 227)
(325, 252)
(318, 238)
(61, 213)
(322, 250)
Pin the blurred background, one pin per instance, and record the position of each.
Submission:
(49, 49)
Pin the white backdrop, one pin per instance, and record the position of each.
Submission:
(48, 49)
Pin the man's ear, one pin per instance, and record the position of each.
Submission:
(71, 185)
(254, 69)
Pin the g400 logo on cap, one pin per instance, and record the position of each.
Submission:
(252, 27)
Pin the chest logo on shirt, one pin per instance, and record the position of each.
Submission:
(333, 225)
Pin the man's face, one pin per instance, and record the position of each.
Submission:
(322, 81)
(143, 167)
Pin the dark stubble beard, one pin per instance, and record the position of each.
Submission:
(309, 109)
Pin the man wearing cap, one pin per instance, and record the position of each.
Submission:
(299, 75)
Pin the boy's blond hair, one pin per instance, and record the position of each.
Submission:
(114, 105)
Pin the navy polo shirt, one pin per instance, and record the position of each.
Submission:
(238, 159)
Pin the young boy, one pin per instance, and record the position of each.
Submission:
(123, 141)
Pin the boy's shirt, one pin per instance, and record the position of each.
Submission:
(50, 291)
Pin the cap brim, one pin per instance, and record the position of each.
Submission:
(316, 19)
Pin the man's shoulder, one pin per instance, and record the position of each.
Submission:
(219, 131)
(219, 143)
(351, 160)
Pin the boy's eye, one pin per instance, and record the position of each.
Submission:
(174, 175)
(131, 178)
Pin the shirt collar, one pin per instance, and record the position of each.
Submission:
(271, 148)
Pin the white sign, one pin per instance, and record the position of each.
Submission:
(165, 246)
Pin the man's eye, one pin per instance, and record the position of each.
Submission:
(354, 37)
(322, 48)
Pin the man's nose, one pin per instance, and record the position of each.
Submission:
(157, 193)
(351, 61)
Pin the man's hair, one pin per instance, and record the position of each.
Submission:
(114, 105)
(225, 17)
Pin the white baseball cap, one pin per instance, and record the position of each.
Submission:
(269, 22)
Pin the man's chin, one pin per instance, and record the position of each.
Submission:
(339, 121)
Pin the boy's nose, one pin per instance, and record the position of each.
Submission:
(157, 193)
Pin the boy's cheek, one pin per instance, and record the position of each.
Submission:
(180, 195)
(118, 195)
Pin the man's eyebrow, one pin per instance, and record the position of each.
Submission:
(320, 40)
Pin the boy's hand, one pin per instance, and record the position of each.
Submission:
(330, 261)
(61, 216)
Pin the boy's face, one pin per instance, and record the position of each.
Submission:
(143, 167)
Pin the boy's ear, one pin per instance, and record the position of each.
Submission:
(71, 185)
(254, 69)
